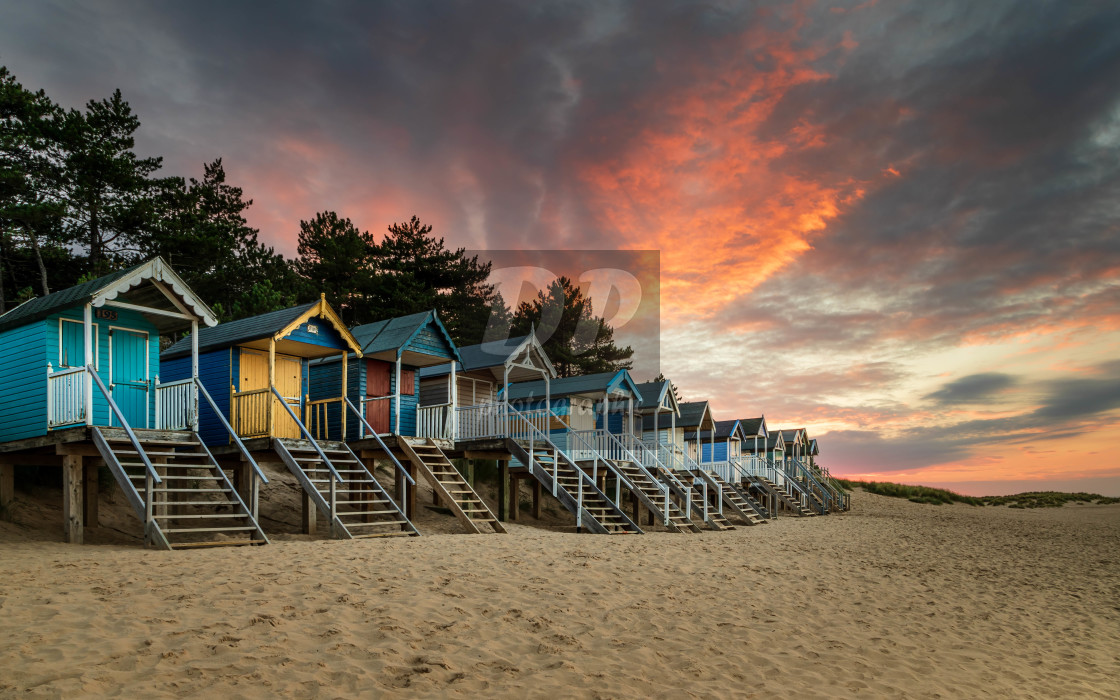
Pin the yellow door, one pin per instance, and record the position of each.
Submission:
(254, 377)
(290, 385)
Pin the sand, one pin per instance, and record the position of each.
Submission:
(892, 599)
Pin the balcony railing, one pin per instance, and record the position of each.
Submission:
(66, 396)
(434, 421)
(176, 405)
(250, 412)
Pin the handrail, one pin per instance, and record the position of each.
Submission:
(303, 429)
(251, 392)
(63, 372)
(800, 469)
(124, 424)
(229, 428)
(622, 477)
(635, 459)
(380, 442)
(534, 429)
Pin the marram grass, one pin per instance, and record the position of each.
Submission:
(926, 494)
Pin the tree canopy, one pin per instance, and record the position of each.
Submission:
(77, 201)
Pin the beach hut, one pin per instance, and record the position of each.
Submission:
(659, 411)
(264, 363)
(468, 389)
(83, 384)
(726, 445)
(696, 418)
(385, 386)
(383, 381)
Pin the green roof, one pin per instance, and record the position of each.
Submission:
(78, 295)
(751, 426)
(692, 413)
(394, 334)
(583, 384)
(243, 330)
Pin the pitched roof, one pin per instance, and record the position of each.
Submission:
(394, 334)
(791, 435)
(493, 355)
(242, 330)
(754, 426)
(654, 393)
(726, 428)
(583, 384)
(771, 441)
(692, 413)
(106, 288)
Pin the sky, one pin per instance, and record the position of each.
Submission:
(896, 224)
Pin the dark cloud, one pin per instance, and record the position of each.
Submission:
(974, 388)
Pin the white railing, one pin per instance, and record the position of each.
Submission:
(176, 405)
(434, 421)
(66, 396)
(485, 420)
(489, 420)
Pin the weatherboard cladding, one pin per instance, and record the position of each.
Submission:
(214, 373)
(231, 333)
(23, 393)
(325, 334)
(27, 348)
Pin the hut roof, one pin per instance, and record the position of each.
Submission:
(392, 336)
(584, 384)
(122, 283)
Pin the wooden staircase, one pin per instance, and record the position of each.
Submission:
(652, 497)
(740, 504)
(714, 519)
(452, 488)
(362, 506)
(786, 498)
(194, 506)
(598, 513)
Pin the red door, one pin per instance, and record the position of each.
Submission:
(378, 374)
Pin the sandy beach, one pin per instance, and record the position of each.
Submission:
(892, 599)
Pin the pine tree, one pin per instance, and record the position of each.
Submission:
(335, 258)
(415, 271)
(202, 232)
(111, 197)
(577, 341)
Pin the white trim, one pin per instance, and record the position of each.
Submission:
(96, 358)
(156, 270)
(147, 368)
(149, 310)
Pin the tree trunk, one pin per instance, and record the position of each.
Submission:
(94, 239)
(39, 259)
(3, 298)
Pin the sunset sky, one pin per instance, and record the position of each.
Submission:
(894, 223)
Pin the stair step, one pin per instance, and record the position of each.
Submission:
(204, 515)
(379, 523)
(231, 528)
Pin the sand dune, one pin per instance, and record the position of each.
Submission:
(893, 599)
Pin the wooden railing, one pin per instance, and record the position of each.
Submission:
(250, 412)
(176, 405)
(66, 396)
(434, 421)
(482, 421)
(317, 416)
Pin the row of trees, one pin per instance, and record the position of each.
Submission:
(77, 201)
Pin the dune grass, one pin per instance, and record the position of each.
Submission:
(932, 496)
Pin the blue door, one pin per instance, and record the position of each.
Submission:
(130, 375)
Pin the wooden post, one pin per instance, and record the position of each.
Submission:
(503, 488)
(342, 405)
(635, 506)
(411, 512)
(536, 499)
(91, 361)
(7, 490)
(243, 481)
(309, 515)
(72, 498)
(470, 472)
(271, 383)
(514, 499)
(89, 496)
